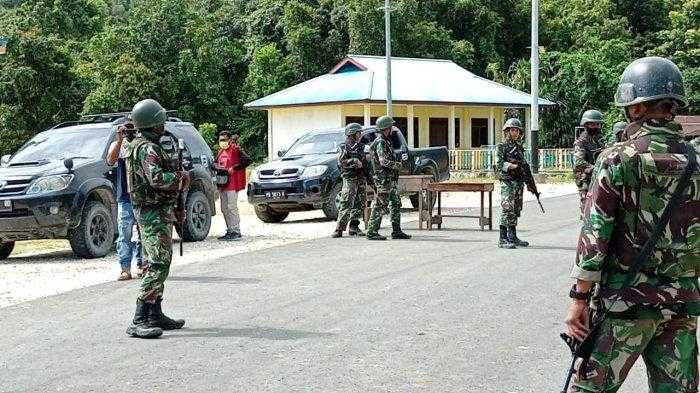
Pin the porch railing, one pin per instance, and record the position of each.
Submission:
(483, 160)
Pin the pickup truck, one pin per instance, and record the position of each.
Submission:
(306, 176)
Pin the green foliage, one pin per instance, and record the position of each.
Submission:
(207, 58)
(209, 133)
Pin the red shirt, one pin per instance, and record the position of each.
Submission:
(228, 159)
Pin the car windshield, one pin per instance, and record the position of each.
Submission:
(57, 145)
(316, 144)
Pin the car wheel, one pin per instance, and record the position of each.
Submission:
(6, 249)
(94, 237)
(332, 205)
(267, 215)
(198, 220)
(414, 197)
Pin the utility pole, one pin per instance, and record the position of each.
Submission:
(387, 38)
(535, 88)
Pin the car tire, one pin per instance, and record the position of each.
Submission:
(6, 249)
(330, 208)
(267, 215)
(198, 220)
(94, 237)
(414, 197)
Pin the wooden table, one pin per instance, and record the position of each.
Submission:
(439, 188)
(407, 185)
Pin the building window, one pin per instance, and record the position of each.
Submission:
(416, 132)
(354, 119)
(458, 133)
(480, 132)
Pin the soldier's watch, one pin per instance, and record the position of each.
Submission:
(579, 295)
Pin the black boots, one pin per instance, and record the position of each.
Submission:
(355, 229)
(397, 233)
(140, 326)
(515, 240)
(504, 240)
(157, 319)
(337, 233)
(375, 236)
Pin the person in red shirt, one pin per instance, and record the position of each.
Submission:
(228, 163)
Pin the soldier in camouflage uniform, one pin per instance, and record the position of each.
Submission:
(509, 159)
(352, 163)
(587, 147)
(386, 175)
(618, 134)
(154, 182)
(656, 317)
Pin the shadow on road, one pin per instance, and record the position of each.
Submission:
(264, 333)
(209, 280)
(56, 257)
(552, 248)
(306, 220)
(446, 240)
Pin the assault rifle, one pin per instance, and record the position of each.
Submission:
(525, 174)
(584, 349)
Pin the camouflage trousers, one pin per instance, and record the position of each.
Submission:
(582, 197)
(511, 202)
(352, 202)
(156, 223)
(668, 347)
(386, 200)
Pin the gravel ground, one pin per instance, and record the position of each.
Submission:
(37, 273)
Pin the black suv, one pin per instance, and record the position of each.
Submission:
(307, 177)
(59, 186)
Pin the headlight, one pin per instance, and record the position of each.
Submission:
(254, 175)
(314, 171)
(50, 184)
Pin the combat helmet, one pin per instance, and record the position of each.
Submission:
(147, 114)
(385, 122)
(512, 123)
(352, 129)
(650, 79)
(619, 127)
(591, 116)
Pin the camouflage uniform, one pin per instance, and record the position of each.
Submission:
(656, 316)
(153, 184)
(386, 173)
(510, 151)
(352, 163)
(586, 150)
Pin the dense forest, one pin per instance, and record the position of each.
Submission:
(206, 58)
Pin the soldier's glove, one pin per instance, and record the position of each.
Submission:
(531, 189)
(180, 215)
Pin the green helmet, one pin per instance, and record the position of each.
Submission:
(352, 129)
(650, 79)
(384, 122)
(591, 116)
(512, 123)
(619, 127)
(147, 114)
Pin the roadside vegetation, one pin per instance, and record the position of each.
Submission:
(206, 58)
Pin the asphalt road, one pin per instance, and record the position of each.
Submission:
(446, 312)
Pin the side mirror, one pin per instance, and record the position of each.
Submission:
(281, 153)
(5, 159)
(68, 163)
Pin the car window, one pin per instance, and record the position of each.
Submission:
(60, 144)
(325, 143)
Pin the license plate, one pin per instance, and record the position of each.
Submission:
(5, 206)
(276, 194)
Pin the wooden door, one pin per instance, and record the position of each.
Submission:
(438, 131)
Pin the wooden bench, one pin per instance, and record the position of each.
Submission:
(439, 188)
(407, 185)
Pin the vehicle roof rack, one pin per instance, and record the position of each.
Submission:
(106, 118)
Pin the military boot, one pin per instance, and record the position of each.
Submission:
(375, 236)
(355, 229)
(139, 326)
(397, 233)
(516, 241)
(337, 233)
(157, 319)
(503, 241)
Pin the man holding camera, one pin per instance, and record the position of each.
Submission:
(230, 167)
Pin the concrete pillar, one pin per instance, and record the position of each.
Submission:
(467, 129)
(451, 130)
(270, 146)
(409, 119)
(528, 135)
(492, 134)
(367, 115)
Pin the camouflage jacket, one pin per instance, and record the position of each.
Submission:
(384, 164)
(508, 152)
(586, 151)
(351, 160)
(151, 173)
(632, 185)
